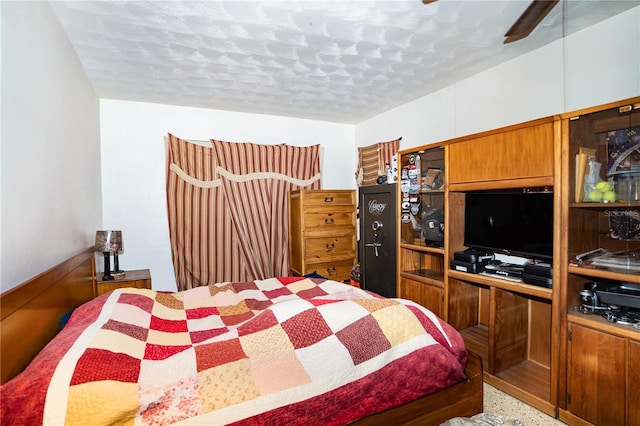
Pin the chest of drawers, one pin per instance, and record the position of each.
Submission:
(322, 233)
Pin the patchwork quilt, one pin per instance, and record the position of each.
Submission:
(275, 351)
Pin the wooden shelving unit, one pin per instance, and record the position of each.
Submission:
(511, 325)
(533, 343)
(597, 356)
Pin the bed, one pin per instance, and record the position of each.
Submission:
(285, 350)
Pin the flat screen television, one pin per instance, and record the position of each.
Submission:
(518, 223)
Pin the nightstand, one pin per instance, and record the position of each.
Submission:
(140, 278)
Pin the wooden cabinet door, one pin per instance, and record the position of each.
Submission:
(523, 152)
(426, 295)
(633, 384)
(596, 376)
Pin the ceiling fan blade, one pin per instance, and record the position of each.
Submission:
(531, 17)
(428, 1)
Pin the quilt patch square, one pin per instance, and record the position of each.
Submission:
(217, 288)
(364, 339)
(262, 321)
(311, 293)
(231, 320)
(238, 287)
(168, 371)
(298, 286)
(167, 325)
(170, 404)
(104, 402)
(306, 328)
(289, 280)
(326, 359)
(226, 385)
(277, 371)
(140, 301)
(159, 337)
(110, 339)
(258, 305)
(235, 309)
(131, 330)
(131, 314)
(206, 334)
(209, 355)
(202, 312)
(195, 297)
(338, 314)
(167, 313)
(156, 352)
(277, 292)
(206, 323)
(96, 364)
(373, 305)
(169, 300)
(273, 339)
(398, 324)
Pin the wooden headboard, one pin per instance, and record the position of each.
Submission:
(30, 313)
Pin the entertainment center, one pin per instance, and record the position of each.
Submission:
(512, 210)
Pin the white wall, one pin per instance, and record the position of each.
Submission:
(594, 66)
(50, 197)
(602, 63)
(134, 164)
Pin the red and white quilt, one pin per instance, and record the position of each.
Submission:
(274, 351)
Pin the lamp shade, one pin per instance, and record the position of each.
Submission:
(107, 241)
(115, 240)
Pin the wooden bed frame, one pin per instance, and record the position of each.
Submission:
(30, 313)
(30, 318)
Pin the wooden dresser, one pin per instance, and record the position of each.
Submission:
(322, 233)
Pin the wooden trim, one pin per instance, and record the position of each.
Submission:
(48, 296)
(584, 111)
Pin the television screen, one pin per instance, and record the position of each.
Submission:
(517, 223)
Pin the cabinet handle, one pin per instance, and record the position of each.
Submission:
(331, 271)
(331, 247)
(328, 199)
(328, 221)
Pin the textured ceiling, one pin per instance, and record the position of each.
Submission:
(341, 61)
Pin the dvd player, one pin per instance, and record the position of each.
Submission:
(505, 269)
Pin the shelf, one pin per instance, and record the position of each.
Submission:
(527, 381)
(503, 284)
(427, 276)
(617, 205)
(432, 191)
(477, 340)
(599, 323)
(423, 248)
(604, 273)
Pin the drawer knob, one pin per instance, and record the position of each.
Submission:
(328, 199)
(331, 246)
(328, 221)
(331, 271)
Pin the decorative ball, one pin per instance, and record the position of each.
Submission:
(595, 195)
(609, 196)
(603, 186)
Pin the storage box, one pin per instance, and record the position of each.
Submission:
(627, 186)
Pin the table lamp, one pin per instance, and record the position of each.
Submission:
(103, 245)
(115, 238)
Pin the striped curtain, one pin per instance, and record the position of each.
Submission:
(227, 207)
(256, 180)
(372, 160)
